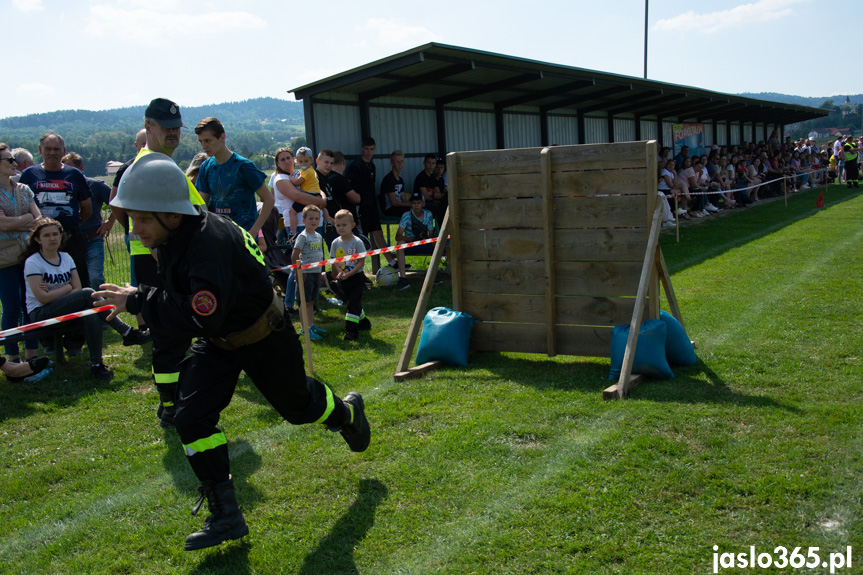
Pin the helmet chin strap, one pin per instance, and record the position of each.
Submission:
(171, 231)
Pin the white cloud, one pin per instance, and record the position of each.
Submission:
(28, 5)
(34, 90)
(742, 15)
(393, 33)
(159, 20)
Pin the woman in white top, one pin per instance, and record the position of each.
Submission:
(54, 288)
(671, 185)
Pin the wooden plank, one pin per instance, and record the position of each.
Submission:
(570, 212)
(599, 156)
(647, 273)
(625, 244)
(498, 186)
(574, 310)
(530, 338)
(548, 227)
(425, 294)
(417, 371)
(571, 278)
(596, 183)
(512, 161)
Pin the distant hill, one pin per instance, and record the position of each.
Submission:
(802, 100)
(255, 129)
(248, 114)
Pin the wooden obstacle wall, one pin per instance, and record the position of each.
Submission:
(548, 244)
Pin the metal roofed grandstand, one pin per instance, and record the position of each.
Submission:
(520, 99)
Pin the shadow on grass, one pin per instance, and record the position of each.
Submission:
(230, 559)
(335, 553)
(590, 375)
(716, 235)
(65, 387)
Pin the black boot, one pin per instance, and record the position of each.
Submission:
(225, 520)
(167, 408)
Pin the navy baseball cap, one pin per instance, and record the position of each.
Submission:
(166, 112)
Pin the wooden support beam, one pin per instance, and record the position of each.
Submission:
(647, 273)
(548, 229)
(425, 294)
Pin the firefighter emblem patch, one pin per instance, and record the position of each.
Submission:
(204, 303)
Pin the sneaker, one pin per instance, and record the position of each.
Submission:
(135, 337)
(317, 330)
(711, 208)
(38, 365)
(403, 284)
(350, 336)
(312, 335)
(680, 211)
(101, 372)
(668, 224)
(356, 433)
(48, 349)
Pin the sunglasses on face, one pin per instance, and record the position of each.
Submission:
(10, 159)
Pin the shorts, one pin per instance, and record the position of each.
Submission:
(312, 285)
(369, 220)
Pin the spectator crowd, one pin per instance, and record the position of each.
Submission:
(54, 198)
(730, 177)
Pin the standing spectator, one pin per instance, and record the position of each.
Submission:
(394, 197)
(361, 174)
(309, 248)
(18, 212)
(94, 230)
(343, 192)
(228, 182)
(417, 224)
(280, 183)
(323, 167)
(24, 159)
(61, 193)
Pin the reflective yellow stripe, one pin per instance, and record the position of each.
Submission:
(331, 405)
(352, 317)
(211, 442)
(170, 377)
(251, 245)
(136, 248)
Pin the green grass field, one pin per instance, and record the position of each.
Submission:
(514, 465)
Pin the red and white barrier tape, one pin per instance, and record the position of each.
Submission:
(23, 329)
(358, 256)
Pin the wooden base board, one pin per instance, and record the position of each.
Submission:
(610, 393)
(417, 370)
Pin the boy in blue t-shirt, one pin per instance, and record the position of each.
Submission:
(229, 182)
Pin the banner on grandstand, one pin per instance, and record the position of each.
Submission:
(691, 135)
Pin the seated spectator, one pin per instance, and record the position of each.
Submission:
(754, 178)
(724, 183)
(54, 288)
(800, 171)
(17, 372)
(741, 185)
(671, 185)
(688, 176)
(417, 224)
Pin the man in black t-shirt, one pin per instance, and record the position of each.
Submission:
(393, 188)
(427, 184)
(361, 174)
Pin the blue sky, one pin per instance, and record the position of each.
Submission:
(100, 54)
